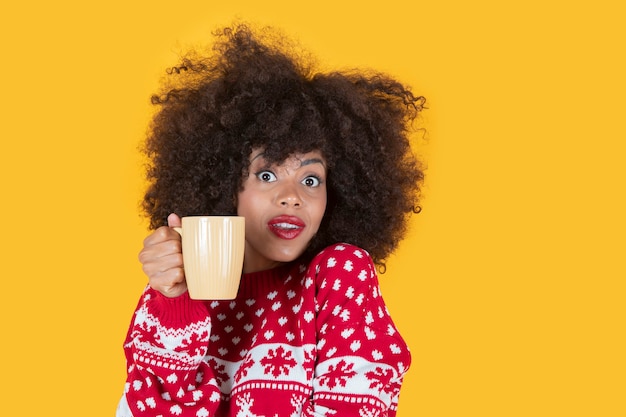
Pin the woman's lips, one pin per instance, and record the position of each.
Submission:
(286, 227)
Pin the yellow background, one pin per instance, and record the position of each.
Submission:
(510, 287)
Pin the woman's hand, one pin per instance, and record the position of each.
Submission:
(162, 259)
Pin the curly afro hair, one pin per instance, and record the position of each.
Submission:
(253, 89)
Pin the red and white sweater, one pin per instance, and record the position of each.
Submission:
(298, 340)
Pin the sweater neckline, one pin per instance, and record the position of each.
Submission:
(260, 282)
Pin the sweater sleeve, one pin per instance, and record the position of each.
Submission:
(361, 357)
(164, 348)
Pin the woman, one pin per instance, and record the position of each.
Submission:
(321, 168)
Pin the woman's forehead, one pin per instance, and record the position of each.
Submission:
(257, 156)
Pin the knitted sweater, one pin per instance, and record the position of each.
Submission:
(298, 340)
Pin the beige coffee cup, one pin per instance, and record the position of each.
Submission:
(213, 249)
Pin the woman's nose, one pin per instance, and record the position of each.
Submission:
(288, 196)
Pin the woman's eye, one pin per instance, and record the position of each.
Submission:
(311, 181)
(266, 176)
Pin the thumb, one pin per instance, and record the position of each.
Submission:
(173, 220)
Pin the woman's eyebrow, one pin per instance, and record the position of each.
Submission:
(260, 154)
(312, 161)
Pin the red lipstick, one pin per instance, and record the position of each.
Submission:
(286, 227)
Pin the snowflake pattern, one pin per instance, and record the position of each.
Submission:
(278, 362)
(243, 369)
(338, 375)
(379, 378)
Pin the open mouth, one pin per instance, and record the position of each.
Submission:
(286, 227)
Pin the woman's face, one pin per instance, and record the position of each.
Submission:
(283, 205)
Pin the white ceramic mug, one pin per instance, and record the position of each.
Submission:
(213, 248)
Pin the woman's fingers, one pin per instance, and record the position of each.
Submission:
(162, 261)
